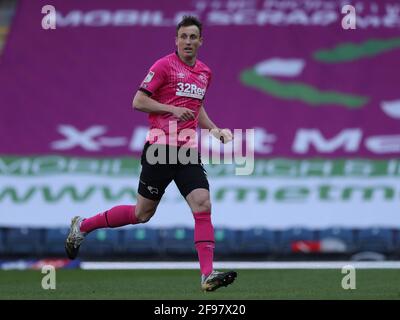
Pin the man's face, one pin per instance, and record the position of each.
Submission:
(188, 41)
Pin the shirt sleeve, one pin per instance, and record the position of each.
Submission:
(209, 79)
(208, 83)
(155, 78)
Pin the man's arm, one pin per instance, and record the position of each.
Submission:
(225, 135)
(144, 103)
(204, 121)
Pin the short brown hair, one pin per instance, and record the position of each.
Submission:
(189, 21)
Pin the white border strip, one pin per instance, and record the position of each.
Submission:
(241, 265)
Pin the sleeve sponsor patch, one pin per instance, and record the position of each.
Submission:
(149, 76)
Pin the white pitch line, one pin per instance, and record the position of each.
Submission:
(242, 265)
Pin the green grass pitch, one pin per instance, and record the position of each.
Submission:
(184, 285)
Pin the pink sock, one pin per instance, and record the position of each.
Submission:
(115, 217)
(204, 241)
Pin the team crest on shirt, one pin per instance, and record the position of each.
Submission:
(202, 78)
(180, 75)
(149, 76)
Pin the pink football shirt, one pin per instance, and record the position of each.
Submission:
(171, 81)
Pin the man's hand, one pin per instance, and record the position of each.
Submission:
(183, 114)
(224, 135)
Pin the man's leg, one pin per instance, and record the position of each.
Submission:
(121, 215)
(191, 180)
(115, 217)
(153, 180)
(199, 203)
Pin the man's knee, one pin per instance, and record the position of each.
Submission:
(143, 215)
(202, 203)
